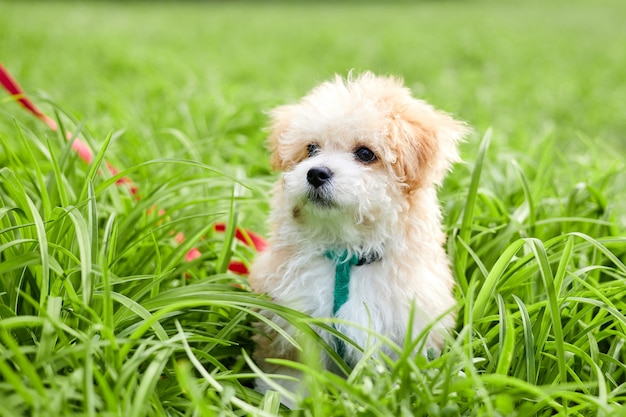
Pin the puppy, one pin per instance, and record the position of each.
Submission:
(355, 222)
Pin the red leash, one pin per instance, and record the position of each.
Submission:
(247, 237)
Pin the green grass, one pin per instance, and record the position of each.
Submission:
(100, 314)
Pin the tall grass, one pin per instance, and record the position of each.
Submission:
(93, 285)
(102, 315)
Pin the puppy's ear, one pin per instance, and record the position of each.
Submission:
(426, 142)
(280, 120)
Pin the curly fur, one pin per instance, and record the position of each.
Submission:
(388, 205)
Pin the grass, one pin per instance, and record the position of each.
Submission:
(100, 313)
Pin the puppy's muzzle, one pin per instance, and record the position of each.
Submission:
(319, 176)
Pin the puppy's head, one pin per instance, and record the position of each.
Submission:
(358, 148)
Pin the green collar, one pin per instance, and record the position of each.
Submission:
(343, 265)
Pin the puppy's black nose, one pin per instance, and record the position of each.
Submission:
(318, 176)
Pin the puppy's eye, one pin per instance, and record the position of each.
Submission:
(313, 149)
(365, 155)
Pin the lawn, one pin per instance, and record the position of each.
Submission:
(102, 314)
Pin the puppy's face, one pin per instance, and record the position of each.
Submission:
(353, 152)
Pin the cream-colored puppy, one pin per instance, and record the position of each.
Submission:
(356, 203)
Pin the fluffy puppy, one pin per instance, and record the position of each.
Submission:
(360, 161)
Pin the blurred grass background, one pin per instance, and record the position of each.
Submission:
(528, 68)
